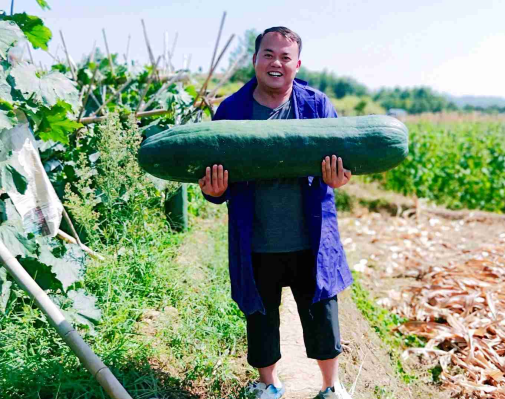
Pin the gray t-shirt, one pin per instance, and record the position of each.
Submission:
(279, 223)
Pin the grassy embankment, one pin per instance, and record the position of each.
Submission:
(168, 328)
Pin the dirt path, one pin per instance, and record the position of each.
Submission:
(362, 347)
(383, 248)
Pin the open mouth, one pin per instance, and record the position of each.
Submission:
(274, 74)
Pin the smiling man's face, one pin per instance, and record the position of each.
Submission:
(276, 62)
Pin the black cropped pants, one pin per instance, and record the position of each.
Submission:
(321, 332)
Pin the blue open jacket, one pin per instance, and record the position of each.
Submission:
(332, 272)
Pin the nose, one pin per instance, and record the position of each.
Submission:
(276, 63)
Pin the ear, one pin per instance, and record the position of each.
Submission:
(298, 65)
(254, 59)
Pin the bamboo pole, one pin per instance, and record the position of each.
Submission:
(90, 88)
(68, 57)
(108, 52)
(30, 52)
(127, 49)
(149, 50)
(204, 86)
(229, 73)
(165, 86)
(144, 90)
(71, 337)
(154, 112)
(91, 57)
(118, 93)
(68, 238)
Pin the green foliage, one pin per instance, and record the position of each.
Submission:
(34, 29)
(10, 34)
(415, 101)
(332, 85)
(54, 124)
(7, 116)
(46, 90)
(11, 179)
(458, 164)
(354, 106)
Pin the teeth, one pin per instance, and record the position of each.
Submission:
(274, 73)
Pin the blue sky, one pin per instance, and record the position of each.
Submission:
(457, 47)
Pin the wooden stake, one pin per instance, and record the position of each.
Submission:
(204, 87)
(91, 57)
(108, 53)
(68, 238)
(71, 337)
(149, 50)
(118, 93)
(165, 86)
(229, 73)
(217, 41)
(87, 94)
(127, 50)
(74, 76)
(211, 70)
(154, 112)
(144, 91)
(30, 52)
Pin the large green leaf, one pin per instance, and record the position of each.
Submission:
(33, 28)
(85, 307)
(5, 88)
(10, 34)
(69, 268)
(54, 123)
(41, 273)
(15, 240)
(5, 289)
(11, 179)
(7, 119)
(48, 89)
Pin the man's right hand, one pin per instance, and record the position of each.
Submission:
(217, 185)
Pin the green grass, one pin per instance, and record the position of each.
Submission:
(192, 349)
(385, 324)
(169, 327)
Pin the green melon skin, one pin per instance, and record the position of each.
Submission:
(273, 149)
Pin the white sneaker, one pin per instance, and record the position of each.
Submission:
(262, 391)
(256, 389)
(336, 392)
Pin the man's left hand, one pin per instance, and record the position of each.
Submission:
(335, 175)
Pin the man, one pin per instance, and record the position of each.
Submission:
(284, 232)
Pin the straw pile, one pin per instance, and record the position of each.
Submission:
(449, 279)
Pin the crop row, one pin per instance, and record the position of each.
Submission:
(457, 164)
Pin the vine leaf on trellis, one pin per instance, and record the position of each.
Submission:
(54, 124)
(33, 28)
(48, 89)
(10, 34)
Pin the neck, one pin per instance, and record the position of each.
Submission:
(272, 98)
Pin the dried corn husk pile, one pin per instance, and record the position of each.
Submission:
(448, 278)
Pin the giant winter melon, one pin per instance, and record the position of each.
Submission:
(272, 149)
